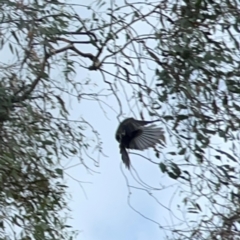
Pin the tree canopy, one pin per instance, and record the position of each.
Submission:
(174, 60)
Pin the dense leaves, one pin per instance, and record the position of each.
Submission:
(37, 134)
(177, 60)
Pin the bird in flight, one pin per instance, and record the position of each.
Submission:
(137, 134)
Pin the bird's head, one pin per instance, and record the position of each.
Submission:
(120, 135)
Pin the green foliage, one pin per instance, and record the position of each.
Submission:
(37, 134)
(180, 60)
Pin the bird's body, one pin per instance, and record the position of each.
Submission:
(134, 134)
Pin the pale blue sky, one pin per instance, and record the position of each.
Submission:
(105, 214)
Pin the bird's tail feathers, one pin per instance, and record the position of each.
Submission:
(125, 157)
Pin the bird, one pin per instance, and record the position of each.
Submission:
(134, 134)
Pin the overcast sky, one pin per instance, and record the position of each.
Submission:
(105, 213)
(100, 208)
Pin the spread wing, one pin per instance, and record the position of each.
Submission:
(130, 125)
(147, 136)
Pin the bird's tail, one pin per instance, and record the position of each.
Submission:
(125, 157)
(149, 136)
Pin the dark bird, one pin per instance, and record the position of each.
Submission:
(133, 134)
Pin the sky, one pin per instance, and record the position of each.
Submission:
(102, 210)
(100, 206)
